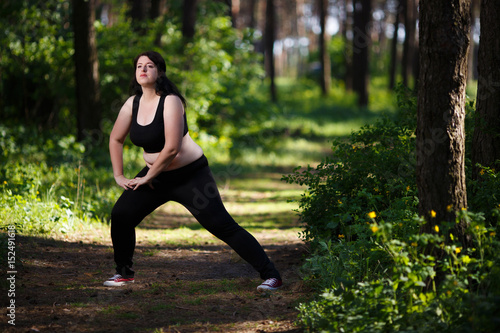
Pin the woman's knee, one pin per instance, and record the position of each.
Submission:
(221, 227)
(125, 215)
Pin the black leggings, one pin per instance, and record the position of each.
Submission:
(193, 186)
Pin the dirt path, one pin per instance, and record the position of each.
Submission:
(204, 288)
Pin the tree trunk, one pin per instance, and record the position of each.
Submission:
(157, 8)
(188, 19)
(394, 48)
(409, 10)
(323, 49)
(348, 50)
(253, 22)
(86, 69)
(360, 49)
(269, 36)
(486, 138)
(444, 42)
(235, 12)
(138, 10)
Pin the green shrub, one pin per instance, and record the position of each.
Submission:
(407, 298)
(368, 257)
(374, 170)
(50, 184)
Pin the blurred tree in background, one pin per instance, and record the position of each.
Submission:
(214, 48)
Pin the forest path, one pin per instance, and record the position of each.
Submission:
(186, 280)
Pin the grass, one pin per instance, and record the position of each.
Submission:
(69, 202)
(72, 195)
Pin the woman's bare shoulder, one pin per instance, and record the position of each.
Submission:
(127, 106)
(173, 102)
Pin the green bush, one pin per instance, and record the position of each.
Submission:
(217, 71)
(407, 298)
(373, 170)
(51, 184)
(368, 257)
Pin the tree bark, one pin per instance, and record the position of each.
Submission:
(444, 42)
(394, 48)
(269, 36)
(157, 8)
(253, 22)
(348, 50)
(188, 19)
(86, 69)
(360, 49)
(325, 80)
(486, 138)
(409, 9)
(235, 12)
(138, 10)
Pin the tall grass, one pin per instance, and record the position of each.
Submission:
(51, 184)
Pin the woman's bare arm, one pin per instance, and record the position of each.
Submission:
(117, 137)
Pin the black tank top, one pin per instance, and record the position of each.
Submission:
(150, 137)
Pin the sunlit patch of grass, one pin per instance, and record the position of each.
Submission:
(110, 309)
(150, 252)
(182, 236)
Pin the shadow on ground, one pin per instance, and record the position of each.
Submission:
(177, 289)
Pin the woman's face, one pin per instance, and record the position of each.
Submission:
(146, 72)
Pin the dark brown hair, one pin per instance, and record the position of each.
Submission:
(163, 84)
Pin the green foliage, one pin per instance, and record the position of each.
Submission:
(44, 183)
(218, 71)
(44, 174)
(373, 170)
(35, 60)
(369, 259)
(407, 297)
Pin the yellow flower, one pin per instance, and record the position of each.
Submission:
(340, 202)
(493, 234)
(414, 244)
(374, 228)
(458, 249)
(436, 228)
(341, 236)
(5, 183)
(433, 213)
(466, 259)
(407, 188)
(481, 172)
(372, 215)
(448, 208)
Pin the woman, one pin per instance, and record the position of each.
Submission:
(176, 169)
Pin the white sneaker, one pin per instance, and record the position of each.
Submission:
(117, 281)
(271, 284)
